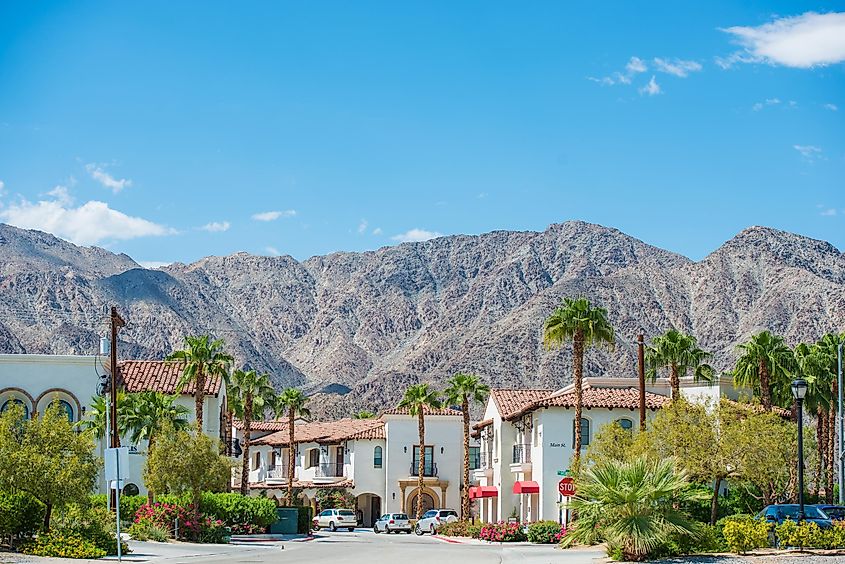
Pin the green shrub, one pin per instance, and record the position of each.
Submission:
(809, 535)
(236, 509)
(21, 516)
(502, 532)
(546, 532)
(303, 520)
(460, 529)
(93, 524)
(129, 504)
(335, 498)
(744, 535)
(61, 545)
(705, 540)
(146, 530)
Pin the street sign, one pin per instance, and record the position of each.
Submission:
(563, 472)
(566, 487)
(117, 464)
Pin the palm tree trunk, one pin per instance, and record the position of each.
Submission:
(831, 445)
(714, 502)
(674, 381)
(765, 391)
(465, 513)
(48, 512)
(821, 447)
(577, 377)
(199, 396)
(291, 456)
(247, 437)
(421, 465)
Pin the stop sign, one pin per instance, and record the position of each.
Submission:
(566, 487)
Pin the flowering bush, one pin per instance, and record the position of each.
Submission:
(191, 525)
(247, 529)
(502, 532)
(546, 532)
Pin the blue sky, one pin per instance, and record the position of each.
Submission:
(174, 130)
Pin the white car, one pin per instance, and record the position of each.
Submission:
(392, 523)
(334, 519)
(433, 518)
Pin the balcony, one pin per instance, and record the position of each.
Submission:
(521, 461)
(328, 472)
(429, 470)
(277, 474)
(485, 466)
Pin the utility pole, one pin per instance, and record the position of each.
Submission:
(641, 375)
(116, 323)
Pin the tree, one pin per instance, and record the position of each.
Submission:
(814, 364)
(611, 443)
(577, 320)
(45, 457)
(417, 399)
(249, 393)
(768, 449)
(185, 462)
(203, 358)
(291, 401)
(462, 389)
(766, 365)
(95, 418)
(364, 414)
(146, 413)
(633, 505)
(679, 353)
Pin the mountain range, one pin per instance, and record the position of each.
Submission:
(354, 329)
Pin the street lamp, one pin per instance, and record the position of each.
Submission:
(799, 390)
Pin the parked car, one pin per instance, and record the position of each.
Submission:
(777, 514)
(835, 512)
(334, 519)
(433, 518)
(392, 523)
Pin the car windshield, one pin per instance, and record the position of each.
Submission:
(834, 512)
(429, 514)
(400, 516)
(346, 512)
(810, 512)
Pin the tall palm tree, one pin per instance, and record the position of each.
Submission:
(765, 365)
(577, 320)
(417, 399)
(463, 388)
(827, 349)
(146, 413)
(679, 353)
(249, 393)
(813, 365)
(204, 358)
(291, 401)
(95, 417)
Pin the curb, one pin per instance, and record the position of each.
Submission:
(447, 539)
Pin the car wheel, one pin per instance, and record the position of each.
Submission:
(332, 526)
(418, 530)
(431, 529)
(351, 529)
(387, 529)
(375, 529)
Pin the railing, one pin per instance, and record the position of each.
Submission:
(521, 454)
(486, 460)
(278, 472)
(330, 470)
(429, 470)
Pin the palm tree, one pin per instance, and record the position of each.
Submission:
(766, 365)
(293, 402)
(95, 417)
(463, 388)
(827, 350)
(249, 392)
(634, 505)
(203, 358)
(364, 414)
(678, 353)
(417, 399)
(813, 364)
(577, 320)
(147, 413)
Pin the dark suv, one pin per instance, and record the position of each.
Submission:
(777, 514)
(835, 512)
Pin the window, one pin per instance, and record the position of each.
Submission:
(474, 457)
(585, 433)
(257, 462)
(626, 424)
(67, 409)
(377, 452)
(313, 457)
(428, 463)
(11, 402)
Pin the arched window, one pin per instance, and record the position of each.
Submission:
(9, 403)
(377, 454)
(585, 433)
(66, 407)
(625, 423)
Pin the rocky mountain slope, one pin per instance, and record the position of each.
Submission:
(371, 323)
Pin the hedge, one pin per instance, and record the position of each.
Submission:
(546, 532)
(809, 535)
(460, 529)
(129, 504)
(21, 515)
(241, 513)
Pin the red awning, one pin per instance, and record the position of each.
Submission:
(477, 492)
(526, 487)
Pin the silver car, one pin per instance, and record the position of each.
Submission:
(334, 519)
(392, 523)
(433, 518)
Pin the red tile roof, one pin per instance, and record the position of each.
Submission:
(327, 432)
(427, 411)
(263, 426)
(509, 402)
(159, 376)
(482, 424)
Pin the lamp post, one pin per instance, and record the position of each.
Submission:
(799, 390)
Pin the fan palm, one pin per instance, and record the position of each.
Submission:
(97, 414)
(364, 414)
(291, 401)
(462, 389)
(417, 399)
(578, 321)
(249, 393)
(679, 353)
(633, 506)
(766, 365)
(203, 358)
(812, 362)
(827, 350)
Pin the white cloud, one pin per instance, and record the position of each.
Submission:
(634, 67)
(362, 227)
(652, 88)
(767, 102)
(809, 152)
(99, 174)
(831, 107)
(273, 215)
(273, 251)
(676, 67)
(804, 41)
(416, 235)
(2, 188)
(216, 226)
(89, 224)
(153, 264)
(828, 212)
(377, 231)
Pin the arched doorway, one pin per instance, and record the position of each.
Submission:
(429, 501)
(368, 509)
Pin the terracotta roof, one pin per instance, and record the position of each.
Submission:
(263, 426)
(327, 432)
(482, 424)
(426, 411)
(159, 376)
(509, 402)
(595, 397)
